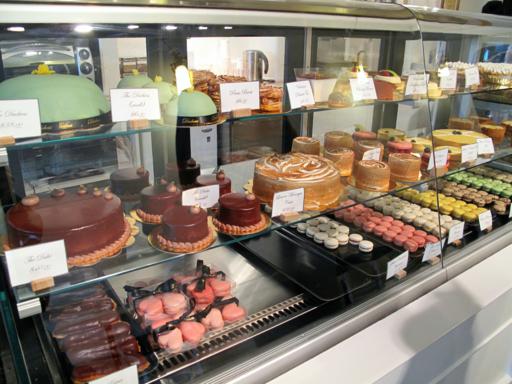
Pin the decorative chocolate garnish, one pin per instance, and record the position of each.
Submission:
(195, 209)
(163, 181)
(30, 200)
(171, 187)
(82, 190)
(58, 192)
(250, 196)
(141, 171)
(221, 175)
(96, 192)
(191, 162)
(457, 132)
(108, 196)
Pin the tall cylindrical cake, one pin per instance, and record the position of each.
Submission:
(371, 175)
(404, 167)
(343, 159)
(338, 139)
(308, 145)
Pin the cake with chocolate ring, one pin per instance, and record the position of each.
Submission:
(156, 199)
(219, 178)
(128, 182)
(91, 223)
(239, 214)
(184, 229)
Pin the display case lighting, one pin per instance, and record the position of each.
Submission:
(83, 28)
(16, 29)
(171, 27)
(202, 28)
(133, 26)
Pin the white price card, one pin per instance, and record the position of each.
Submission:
(300, 94)
(472, 76)
(510, 212)
(431, 250)
(36, 262)
(124, 376)
(485, 146)
(372, 154)
(363, 88)
(456, 232)
(397, 264)
(20, 118)
(448, 78)
(469, 153)
(135, 104)
(485, 220)
(234, 96)
(205, 197)
(288, 201)
(322, 89)
(441, 156)
(416, 85)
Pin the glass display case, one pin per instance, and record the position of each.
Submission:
(222, 191)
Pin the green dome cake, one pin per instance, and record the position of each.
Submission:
(62, 98)
(195, 104)
(166, 91)
(136, 80)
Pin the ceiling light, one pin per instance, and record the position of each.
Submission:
(133, 26)
(16, 29)
(171, 27)
(202, 28)
(228, 27)
(83, 28)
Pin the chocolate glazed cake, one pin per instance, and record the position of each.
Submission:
(186, 173)
(156, 199)
(128, 182)
(239, 214)
(219, 178)
(92, 225)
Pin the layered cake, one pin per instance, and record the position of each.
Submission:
(338, 139)
(388, 85)
(91, 224)
(128, 182)
(343, 159)
(386, 134)
(494, 131)
(308, 145)
(496, 73)
(186, 173)
(219, 178)
(156, 199)
(419, 144)
(361, 146)
(454, 155)
(239, 214)
(399, 146)
(184, 229)
(461, 123)
(404, 167)
(455, 138)
(318, 176)
(371, 175)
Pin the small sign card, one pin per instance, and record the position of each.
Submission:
(234, 96)
(20, 118)
(397, 264)
(372, 154)
(36, 262)
(448, 78)
(456, 232)
(300, 94)
(124, 376)
(472, 76)
(431, 250)
(288, 201)
(205, 197)
(135, 104)
(485, 220)
(416, 85)
(441, 156)
(485, 146)
(469, 153)
(363, 88)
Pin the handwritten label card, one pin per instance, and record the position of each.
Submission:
(36, 262)
(19, 118)
(363, 88)
(235, 96)
(135, 104)
(448, 78)
(485, 220)
(124, 376)
(416, 85)
(441, 156)
(431, 250)
(485, 146)
(472, 76)
(300, 94)
(456, 232)
(288, 201)
(205, 197)
(469, 153)
(397, 264)
(372, 154)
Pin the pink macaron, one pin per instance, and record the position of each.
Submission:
(389, 236)
(397, 223)
(420, 233)
(409, 228)
(358, 221)
(378, 214)
(399, 240)
(419, 240)
(368, 226)
(411, 245)
(388, 219)
(379, 230)
(431, 239)
(394, 228)
(348, 217)
(407, 234)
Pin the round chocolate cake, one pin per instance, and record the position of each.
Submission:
(128, 182)
(219, 178)
(91, 224)
(156, 199)
(186, 173)
(239, 214)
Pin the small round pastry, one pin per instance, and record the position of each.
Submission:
(313, 222)
(343, 229)
(371, 175)
(355, 239)
(311, 231)
(320, 237)
(343, 159)
(431, 239)
(397, 223)
(410, 245)
(332, 233)
(419, 240)
(307, 145)
(369, 226)
(323, 227)
(409, 217)
(323, 220)
(336, 139)
(219, 178)
(239, 214)
(331, 243)
(389, 236)
(342, 239)
(366, 246)
(302, 227)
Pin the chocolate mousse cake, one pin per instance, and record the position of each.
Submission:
(219, 178)
(186, 173)
(156, 199)
(91, 223)
(184, 229)
(239, 214)
(128, 182)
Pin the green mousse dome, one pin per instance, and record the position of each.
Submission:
(195, 104)
(166, 91)
(136, 80)
(61, 97)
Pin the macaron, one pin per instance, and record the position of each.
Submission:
(368, 227)
(408, 217)
(411, 245)
(419, 240)
(389, 236)
(388, 219)
(379, 230)
(366, 246)
(323, 227)
(312, 222)
(302, 227)
(320, 237)
(420, 233)
(408, 228)
(343, 229)
(358, 222)
(355, 239)
(399, 240)
(397, 223)
(331, 243)
(332, 233)
(342, 239)
(323, 220)
(431, 239)
(311, 231)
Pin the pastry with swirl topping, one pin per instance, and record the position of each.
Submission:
(318, 176)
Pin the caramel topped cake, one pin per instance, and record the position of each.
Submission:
(372, 175)
(304, 144)
(318, 176)
(91, 223)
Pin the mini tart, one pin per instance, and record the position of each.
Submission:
(181, 247)
(108, 251)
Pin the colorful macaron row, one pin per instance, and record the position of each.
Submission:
(499, 187)
(492, 173)
(477, 197)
